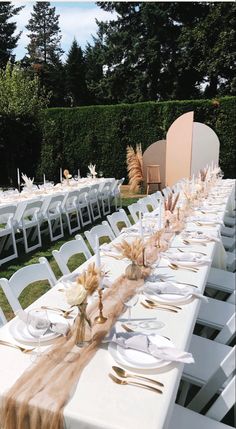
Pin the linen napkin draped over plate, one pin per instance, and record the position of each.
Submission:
(187, 257)
(56, 327)
(158, 288)
(143, 343)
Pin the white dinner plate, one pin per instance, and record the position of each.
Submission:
(170, 298)
(200, 259)
(19, 330)
(139, 360)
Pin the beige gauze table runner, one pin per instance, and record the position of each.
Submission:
(37, 398)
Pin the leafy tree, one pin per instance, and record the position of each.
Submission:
(19, 94)
(75, 76)
(8, 41)
(45, 51)
(156, 51)
(44, 46)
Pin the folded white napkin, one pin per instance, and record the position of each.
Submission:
(56, 327)
(158, 288)
(143, 343)
(202, 236)
(186, 257)
(205, 219)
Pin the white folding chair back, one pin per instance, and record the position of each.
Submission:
(227, 333)
(28, 216)
(3, 319)
(118, 217)
(7, 232)
(103, 230)
(69, 209)
(83, 206)
(158, 196)
(69, 249)
(166, 191)
(135, 208)
(116, 193)
(104, 195)
(148, 202)
(214, 384)
(232, 298)
(24, 277)
(52, 213)
(94, 202)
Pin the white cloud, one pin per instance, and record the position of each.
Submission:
(76, 20)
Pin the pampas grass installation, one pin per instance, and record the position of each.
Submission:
(134, 161)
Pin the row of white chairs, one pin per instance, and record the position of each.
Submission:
(78, 208)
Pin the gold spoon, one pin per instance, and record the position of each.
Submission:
(188, 242)
(194, 251)
(128, 329)
(123, 374)
(177, 267)
(134, 383)
(152, 307)
(15, 346)
(152, 301)
(65, 313)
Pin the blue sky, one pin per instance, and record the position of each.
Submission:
(77, 19)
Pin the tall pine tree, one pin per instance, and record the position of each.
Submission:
(45, 51)
(44, 46)
(8, 40)
(76, 86)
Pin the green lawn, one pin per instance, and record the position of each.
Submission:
(35, 290)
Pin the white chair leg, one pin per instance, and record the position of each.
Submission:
(183, 393)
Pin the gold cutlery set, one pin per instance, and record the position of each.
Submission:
(15, 346)
(126, 379)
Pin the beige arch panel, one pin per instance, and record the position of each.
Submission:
(205, 147)
(179, 149)
(155, 154)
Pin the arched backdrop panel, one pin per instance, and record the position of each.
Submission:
(155, 154)
(205, 147)
(179, 149)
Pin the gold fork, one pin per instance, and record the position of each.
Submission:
(153, 302)
(65, 313)
(194, 251)
(152, 307)
(177, 267)
(188, 242)
(134, 383)
(15, 346)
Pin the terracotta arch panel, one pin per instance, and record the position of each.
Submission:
(179, 149)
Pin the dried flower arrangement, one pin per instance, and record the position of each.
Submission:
(134, 160)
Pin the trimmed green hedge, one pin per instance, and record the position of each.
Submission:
(74, 137)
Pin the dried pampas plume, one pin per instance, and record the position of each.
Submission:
(134, 161)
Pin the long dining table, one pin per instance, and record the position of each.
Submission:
(97, 402)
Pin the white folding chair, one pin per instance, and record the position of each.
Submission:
(69, 249)
(104, 195)
(229, 243)
(208, 356)
(158, 196)
(118, 218)
(231, 261)
(221, 280)
(69, 209)
(230, 221)
(232, 298)
(166, 191)
(116, 193)
(185, 418)
(3, 319)
(94, 202)
(52, 214)
(83, 206)
(103, 230)
(7, 233)
(148, 203)
(135, 208)
(214, 315)
(24, 277)
(28, 217)
(228, 231)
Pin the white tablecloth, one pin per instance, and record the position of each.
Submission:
(97, 402)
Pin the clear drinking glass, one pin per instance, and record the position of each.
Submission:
(130, 303)
(37, 325)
